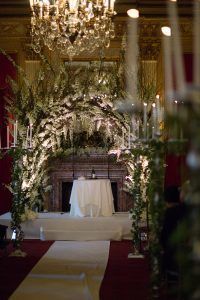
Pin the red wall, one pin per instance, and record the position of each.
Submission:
(6, 69)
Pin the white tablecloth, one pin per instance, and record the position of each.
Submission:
(91, 198)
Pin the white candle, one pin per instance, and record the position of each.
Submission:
(8, 137)
(145, 120)
(16, 128)
(168, 66)
(153, 132)
(15, 134)
(177, 49)
(154, 116)
(27, 137)
(196, 64)
(31, 133)
(112, 3)
(158, 113)
(147, 131)
(41, 6)
(14, 138)
(132, 56)
(176, 124)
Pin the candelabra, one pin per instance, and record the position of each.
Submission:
(12, 144)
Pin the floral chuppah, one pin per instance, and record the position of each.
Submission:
(50, 120)
(60, 118)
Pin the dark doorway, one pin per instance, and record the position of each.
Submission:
(66, 192)
(114, 192)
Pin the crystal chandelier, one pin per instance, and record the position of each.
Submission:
(72, 26)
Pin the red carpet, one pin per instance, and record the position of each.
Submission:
(125, 278)
(14, 269)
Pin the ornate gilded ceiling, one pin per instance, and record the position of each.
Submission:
(151, 8)
(15, 25)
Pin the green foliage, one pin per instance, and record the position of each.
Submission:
(69, 108)
(187, 236)
(145, 182)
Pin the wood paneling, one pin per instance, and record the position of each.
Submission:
(65, 170)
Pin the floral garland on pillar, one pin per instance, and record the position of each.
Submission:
(144, 162)
(136, 184)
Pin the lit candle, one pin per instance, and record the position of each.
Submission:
(154, 116)
(31, 133)
(158, 114)
(176, 124)
(158, 106)
(196, 68)
(145, 120)
(153, 132)
(168, 66)
(132, 55)
(8, 137)
(41, 8)
(147, 131)
(178, 58)
(176, 106)
(112, 3)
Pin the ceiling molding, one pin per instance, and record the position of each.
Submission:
(151, 8)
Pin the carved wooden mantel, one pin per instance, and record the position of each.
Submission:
(67, 169)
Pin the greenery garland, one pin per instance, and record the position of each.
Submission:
(137, 162)
(187, 236)
(60, 114)
(144, 162)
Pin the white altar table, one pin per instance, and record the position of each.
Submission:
(91, 198)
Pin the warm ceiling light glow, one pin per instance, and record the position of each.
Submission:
(166, 30)
(133, 13)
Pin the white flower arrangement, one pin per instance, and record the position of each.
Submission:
(29, 215)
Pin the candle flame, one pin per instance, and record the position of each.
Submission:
(133, 13)
(166, 30)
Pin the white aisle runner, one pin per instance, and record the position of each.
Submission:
(71, 270)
